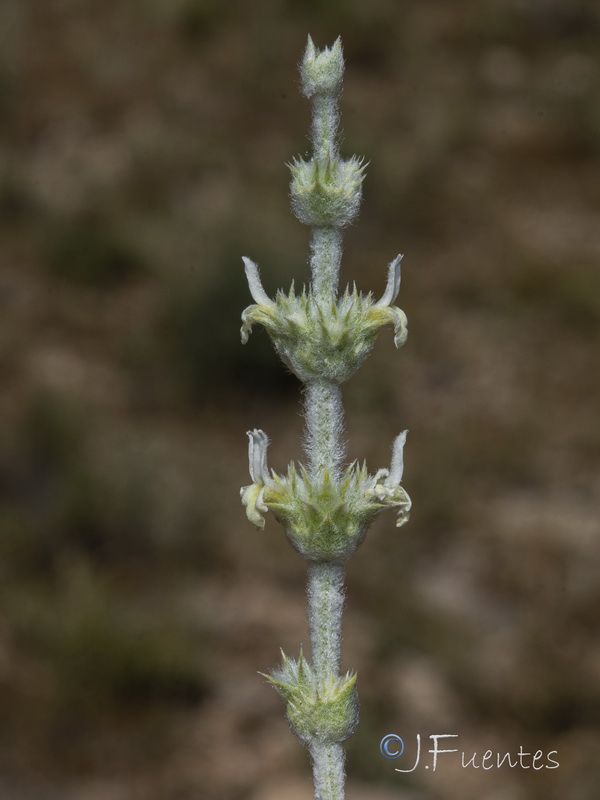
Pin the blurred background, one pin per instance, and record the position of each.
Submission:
(142, 153)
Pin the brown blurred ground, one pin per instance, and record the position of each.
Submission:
(142, 150)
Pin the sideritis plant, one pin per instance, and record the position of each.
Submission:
(325, 506)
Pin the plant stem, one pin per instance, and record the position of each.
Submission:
(325, 450)
(326, 255)
(325, 609)
(324, 127)
(328, 771)
(324, 415)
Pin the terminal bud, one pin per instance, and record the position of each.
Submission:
(322, 71)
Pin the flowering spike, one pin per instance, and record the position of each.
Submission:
(324, 507)
(393, 283)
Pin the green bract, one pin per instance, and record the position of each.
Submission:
(325, 710)
(324, 341)
(326, 193)
(326, 518)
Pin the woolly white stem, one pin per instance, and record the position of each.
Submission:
(325, 258)
(324, 427)
(325, 609)
(324, 127)
(328, 771)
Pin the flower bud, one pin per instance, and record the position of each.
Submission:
(326, 194)
(323, 710)
(322, 71)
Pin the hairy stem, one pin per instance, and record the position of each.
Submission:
(325, 609)
(324, 427)
(325, 258)
(324, 127)
(325, 450)
(328, 771)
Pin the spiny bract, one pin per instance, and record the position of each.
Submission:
(325, 710)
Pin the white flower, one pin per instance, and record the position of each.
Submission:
(392, 287)
(253, 495)
(397, 462)
(389, 492)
